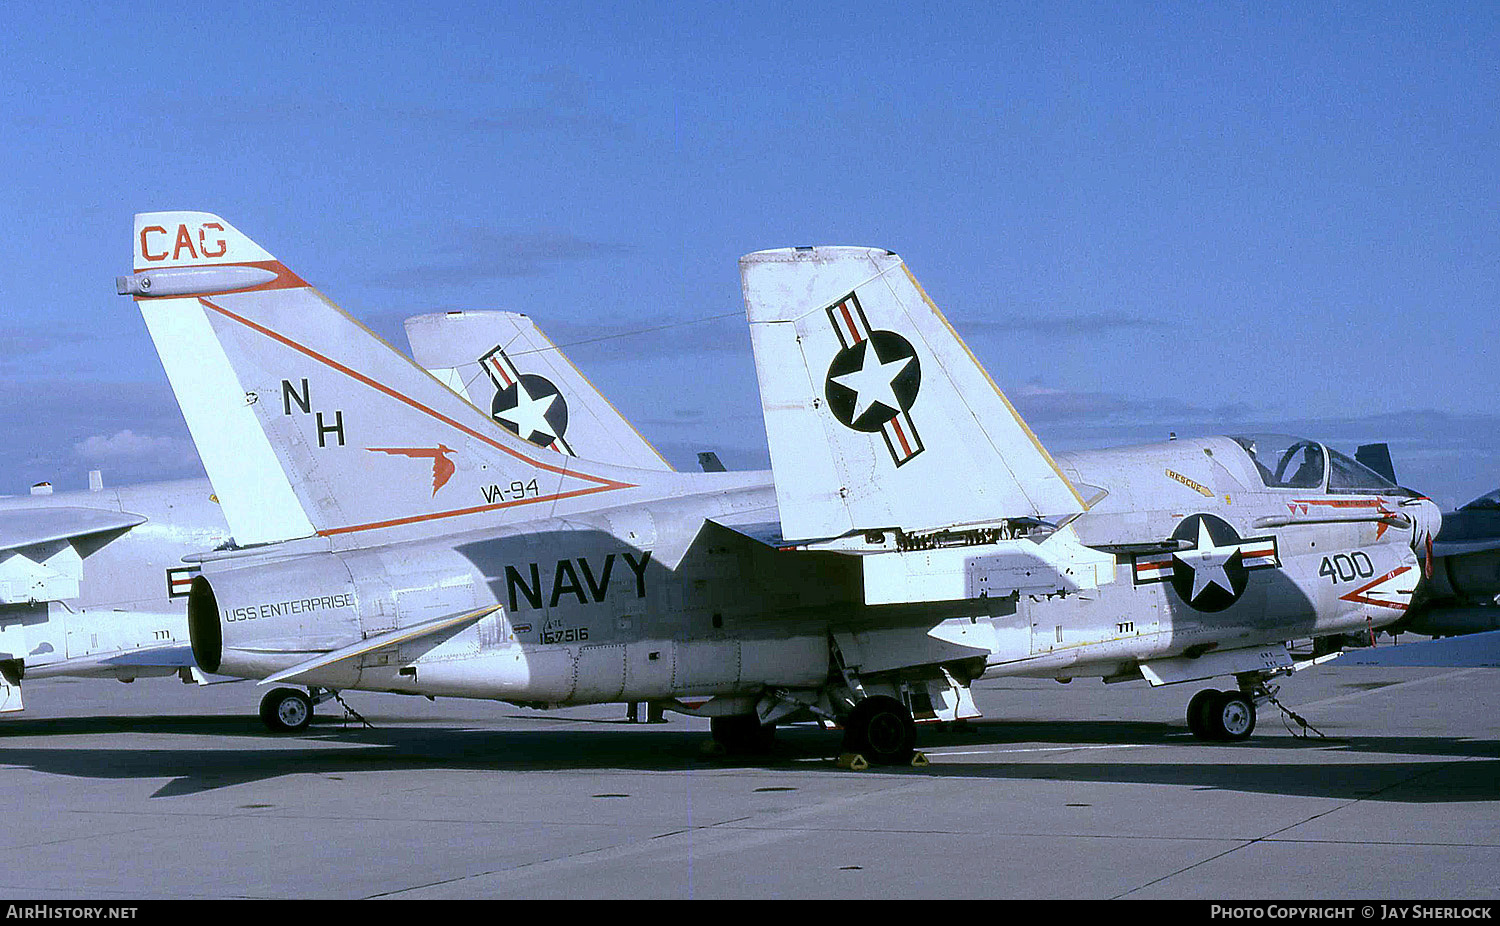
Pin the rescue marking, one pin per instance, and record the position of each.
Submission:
(1171, 474)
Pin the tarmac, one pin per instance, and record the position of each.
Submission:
(1080, 791)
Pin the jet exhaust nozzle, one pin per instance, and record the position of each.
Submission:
(203, 626)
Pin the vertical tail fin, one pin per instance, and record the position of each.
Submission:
(306, 422)
(504, 364)
(878, 416)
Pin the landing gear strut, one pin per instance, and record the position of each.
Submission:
(881, 729)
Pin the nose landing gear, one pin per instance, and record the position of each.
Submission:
(1229, 716)
(287, 710)
(1223, 716)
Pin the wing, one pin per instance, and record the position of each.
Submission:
(25, 527)
(38, 560)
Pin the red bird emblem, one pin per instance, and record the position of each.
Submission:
(442, 467)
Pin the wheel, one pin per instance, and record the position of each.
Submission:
(1231, 716)
(1197, 712)
(286, 710)
(881, 728)
(742, 734)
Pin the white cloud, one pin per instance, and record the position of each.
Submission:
(127, 445)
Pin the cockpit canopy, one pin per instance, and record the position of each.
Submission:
(1286, 462)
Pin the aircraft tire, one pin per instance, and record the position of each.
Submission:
(286, 710)
(1232, 716)
(742, 734)
(881, 729)
(1197, 713)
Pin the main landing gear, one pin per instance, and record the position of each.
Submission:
(882, 730)
(287, 710)
(879, 728)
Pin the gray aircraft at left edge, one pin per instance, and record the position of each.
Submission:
(912, 536)
(95, 583)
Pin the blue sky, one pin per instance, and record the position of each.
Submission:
(1144, 218)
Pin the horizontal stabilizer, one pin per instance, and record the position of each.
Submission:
(759, 524)
(171, 656)
(877, 414)
(763, 532)
(380, 641)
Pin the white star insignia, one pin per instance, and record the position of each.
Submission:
(1207, 562)
(873, 382)
(530, 414)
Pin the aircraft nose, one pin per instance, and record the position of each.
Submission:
(1426, 520)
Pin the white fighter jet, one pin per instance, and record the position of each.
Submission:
(94, 583)
(912, 535)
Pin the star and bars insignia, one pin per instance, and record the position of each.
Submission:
(527, 404)
(872, 381)
(1213, 573)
